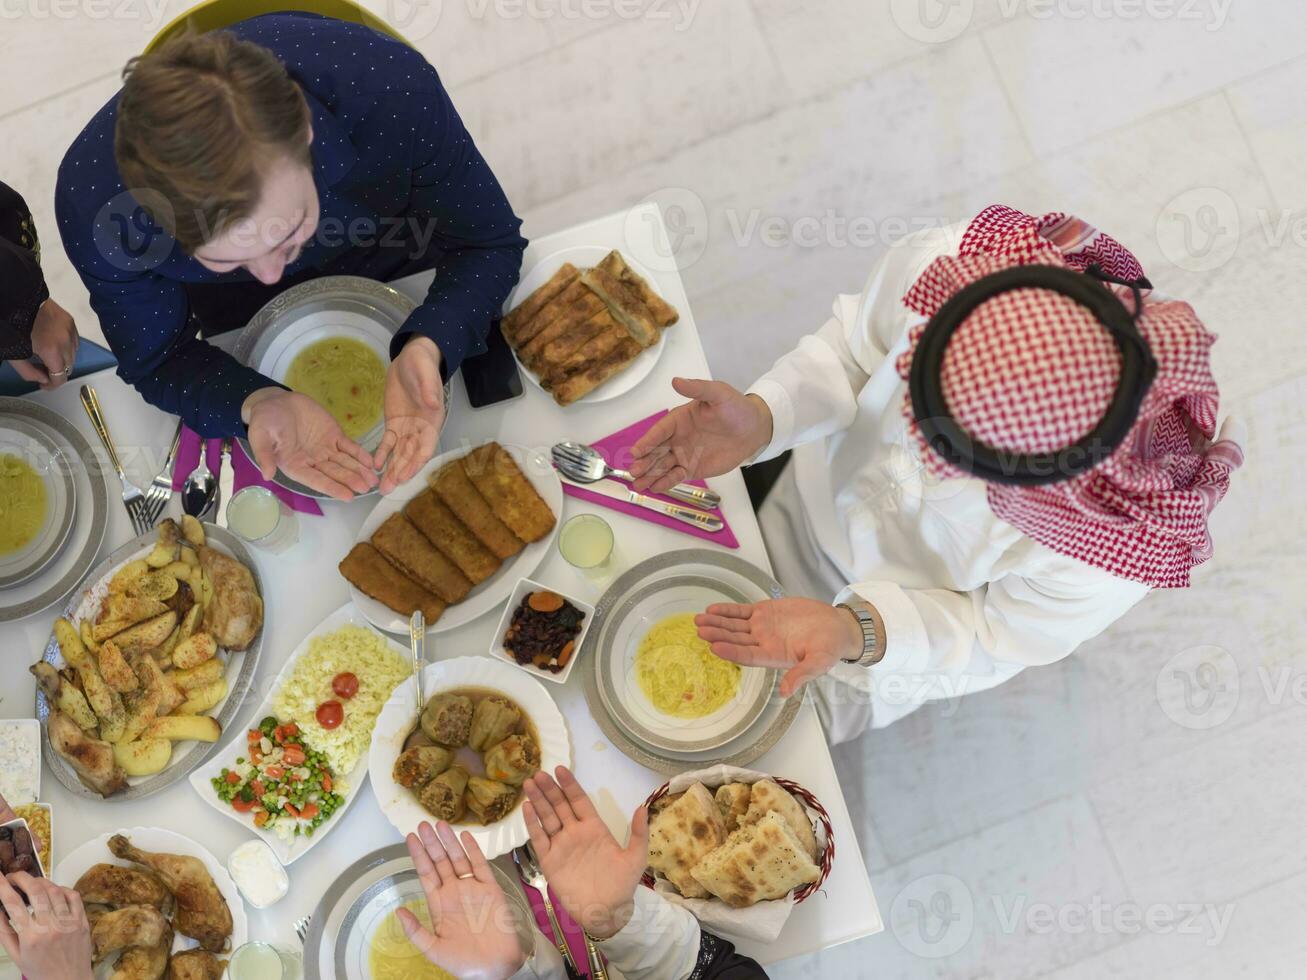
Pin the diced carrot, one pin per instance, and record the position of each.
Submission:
(326, 782)
(233, 778)
(308, 811)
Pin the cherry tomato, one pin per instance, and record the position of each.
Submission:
(330, 714)
(241, 806)
(233, 778)
(345, 685)
(274, 772)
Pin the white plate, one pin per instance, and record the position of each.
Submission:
(96, 851)
(240, 667)
(294, 849)
(585, 257)
(494, 590)
(400, 717)
(497, 643)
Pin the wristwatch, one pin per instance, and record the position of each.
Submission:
(871, 652)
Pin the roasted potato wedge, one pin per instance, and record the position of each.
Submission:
(115, 669)
(157, 585)
(204, 698)
(167, 548)
(193, 531)
(206, 673)
(190, 622)
(189, 557)
(87, 629)
(144, 757)
(64, 695)
(147, 635)
(162, 654)
(179, 569)
(70, 644)
(128, 574)
(142, 709)
(194, 650)
(185, 728)
(154, 679)
(104, 701)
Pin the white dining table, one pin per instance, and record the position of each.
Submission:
(302, 586)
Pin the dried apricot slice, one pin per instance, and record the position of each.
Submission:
(545, 602)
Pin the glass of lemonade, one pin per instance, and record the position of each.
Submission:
(586, 542)
(263, 961)
(257, 516)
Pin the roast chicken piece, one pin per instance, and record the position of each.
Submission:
(196, 964)
(202, 912)
(235, 612)
(144, 962)
(111, 884)
(90, 758)
(134, 925)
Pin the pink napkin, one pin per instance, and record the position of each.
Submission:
(616, 449)
(575, 937)
(244, 472)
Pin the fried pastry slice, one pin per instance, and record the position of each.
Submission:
(625, 305)
(438, 523)
(587, 380)
(511, 495)
(372, 575)
(574, 307)
(598, 350)
(518, 325)
(408, 550)
(664, 313)
(458, 494)
(572, 345)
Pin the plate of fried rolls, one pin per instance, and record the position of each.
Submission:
(455, 539)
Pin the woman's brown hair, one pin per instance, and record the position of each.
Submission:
(199, 122)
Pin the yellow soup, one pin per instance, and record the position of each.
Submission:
(346, 377)
(393, 957)
(679, 674)
(22, 503)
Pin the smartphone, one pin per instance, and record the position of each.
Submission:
(492, 377)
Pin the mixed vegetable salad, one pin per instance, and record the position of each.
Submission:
(283, 783)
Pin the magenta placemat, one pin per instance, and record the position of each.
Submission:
(616, 449)
(571, 931)
(244, 472)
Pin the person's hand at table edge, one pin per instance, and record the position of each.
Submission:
(293, 433)
(471, 934)
(48, 937)
(719, 429)
(415, 413)
(803, 637)
(593, 876)
(54, 347)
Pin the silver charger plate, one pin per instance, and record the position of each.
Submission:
(38, 448)
(88, 516)
(767, 726)
(333, 306)
(341, 927)
(240, 671)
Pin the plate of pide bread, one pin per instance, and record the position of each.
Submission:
(739, 848)
(586, 324)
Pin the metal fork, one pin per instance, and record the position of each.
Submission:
(531, 873)
(589, 466)
(133, 498)
(302, 928)
(159, 492)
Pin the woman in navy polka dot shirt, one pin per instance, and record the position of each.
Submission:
(237, 164)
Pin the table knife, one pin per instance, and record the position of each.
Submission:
(686, 515)
(226, 483)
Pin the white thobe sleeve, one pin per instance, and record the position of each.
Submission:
(661, 942)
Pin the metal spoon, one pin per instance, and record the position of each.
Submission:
(200, 492)
(417, 638)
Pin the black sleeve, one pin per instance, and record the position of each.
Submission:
(22, 285)
(718, 960)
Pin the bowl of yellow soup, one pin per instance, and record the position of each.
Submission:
(330, 339)
(355, 930)
(37, 501)
(660, 681)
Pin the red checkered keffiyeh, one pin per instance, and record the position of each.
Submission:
(1032, 371)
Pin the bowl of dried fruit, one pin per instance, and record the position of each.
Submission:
(541, 631)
